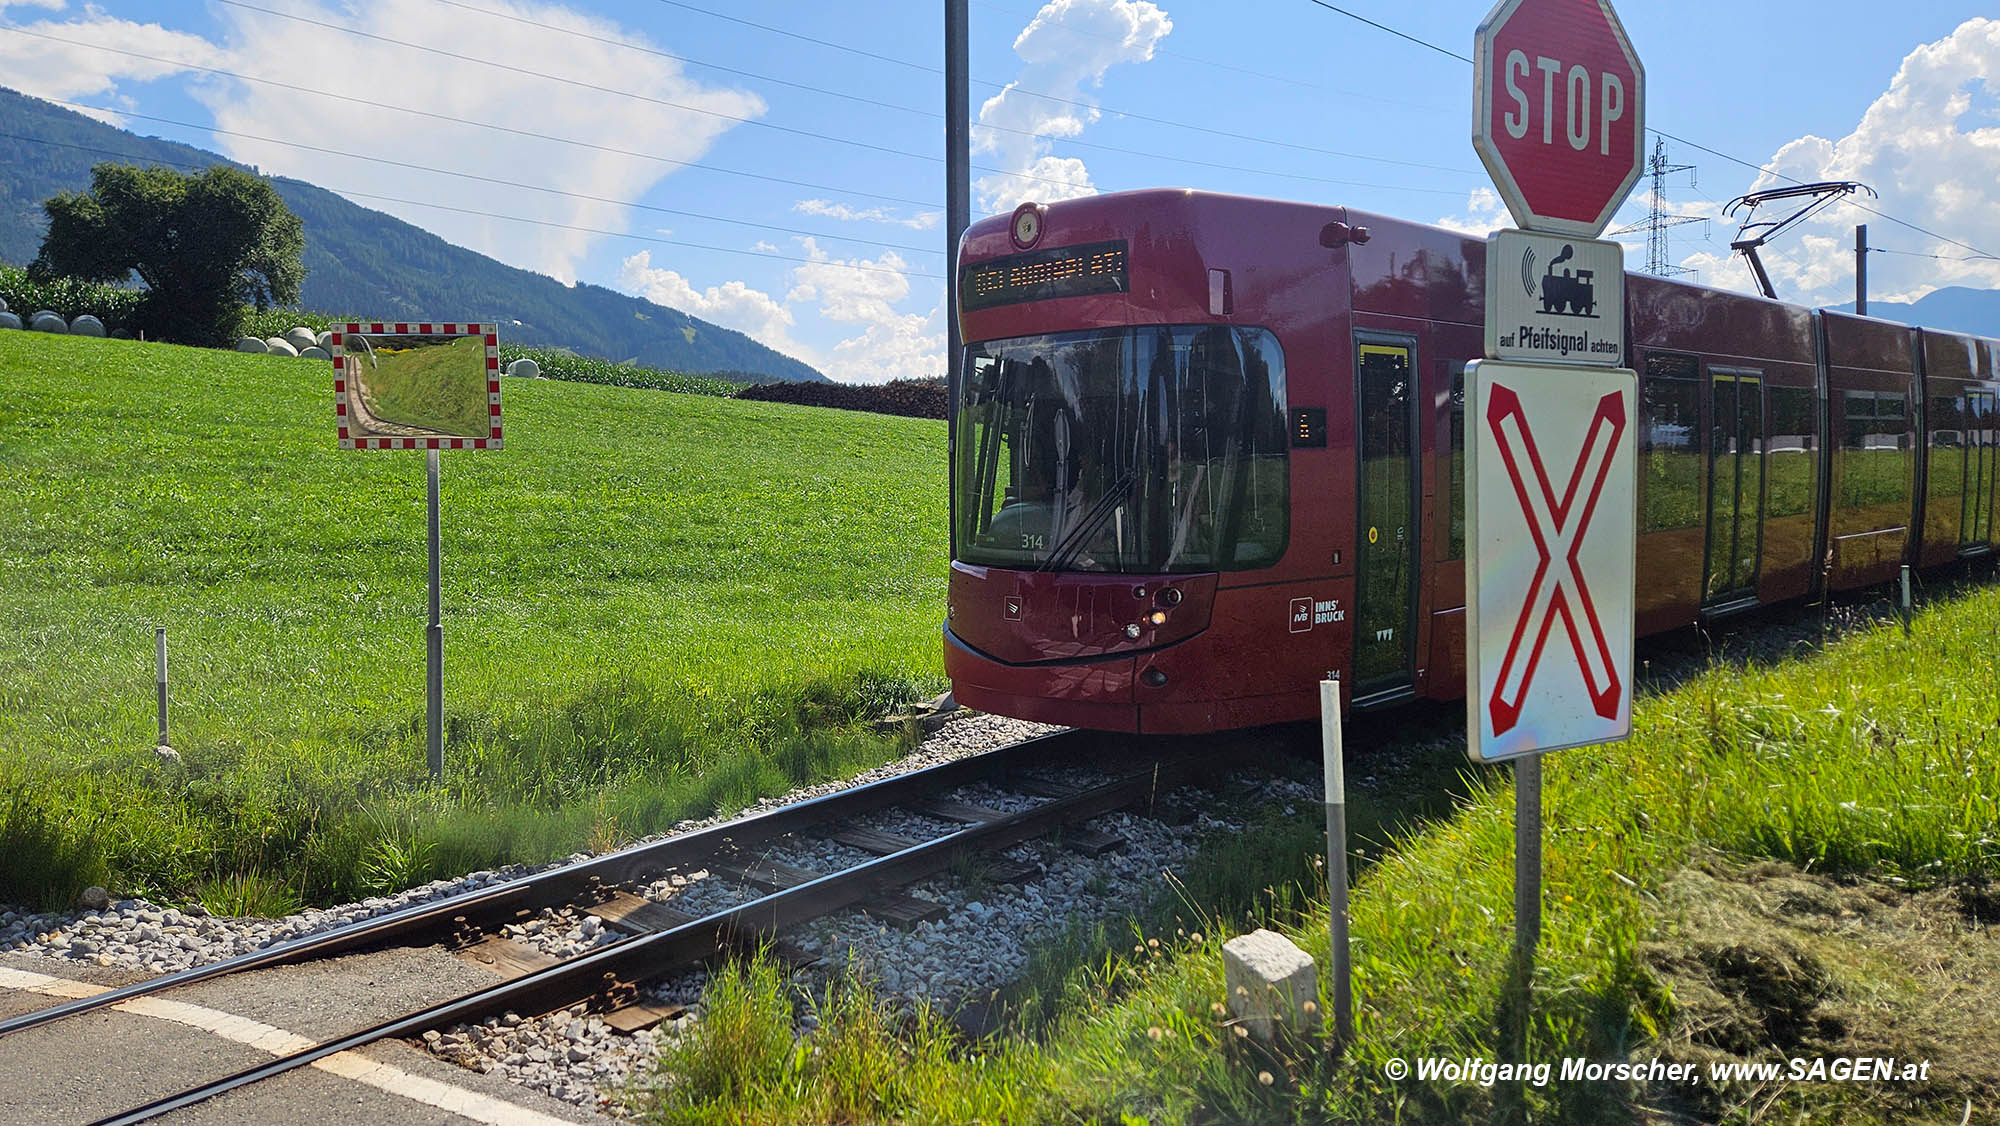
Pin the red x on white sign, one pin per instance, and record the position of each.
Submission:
(1547, 560)
(1555, 534)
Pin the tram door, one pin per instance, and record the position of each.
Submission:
(1385, 604)
(1735, 484)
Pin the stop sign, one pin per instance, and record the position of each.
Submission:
(1559, 112)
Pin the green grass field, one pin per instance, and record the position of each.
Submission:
(1877, 759)
(655, 605)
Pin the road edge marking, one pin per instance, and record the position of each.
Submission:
(277, 1041)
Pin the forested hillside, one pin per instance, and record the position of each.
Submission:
(366, 262)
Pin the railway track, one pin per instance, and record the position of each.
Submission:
(658, 940)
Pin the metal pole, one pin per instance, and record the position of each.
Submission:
(160, 644)
(1336, 860)
(1861, 269)
(957, 211)
(434, 644)
(1906, 599)
(1527, 857)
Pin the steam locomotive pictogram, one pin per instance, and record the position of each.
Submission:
(1571, 294)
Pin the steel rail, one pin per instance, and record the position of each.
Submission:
(503, 901)
(638, 960)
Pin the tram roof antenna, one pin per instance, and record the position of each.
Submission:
(1753, 234)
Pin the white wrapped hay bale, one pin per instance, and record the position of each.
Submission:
(525, 368)
(252, 345)
(48, 321)
(277, 346)
(9, 320)
(86, 325)
(315, 353)
(301, 338)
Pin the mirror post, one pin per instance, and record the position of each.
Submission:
(434, 643)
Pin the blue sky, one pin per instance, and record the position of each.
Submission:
(843, 265)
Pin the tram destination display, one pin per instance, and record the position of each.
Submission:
(1066, 271)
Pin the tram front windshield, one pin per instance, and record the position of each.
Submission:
(1136, 450)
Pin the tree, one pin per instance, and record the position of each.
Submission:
(205, 245)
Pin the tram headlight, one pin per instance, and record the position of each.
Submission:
(1026, 228)
(1157, 617)
(1132, 631)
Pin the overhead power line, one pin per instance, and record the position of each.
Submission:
(1939, 257)
(495, 127)
(1220, 65)
(810, 133)
(500, 181)
(497, 215)
(1762, 168)
(936, 116)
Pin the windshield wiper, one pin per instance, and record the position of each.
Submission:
(1072, 540)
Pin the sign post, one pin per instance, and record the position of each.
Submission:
(1334, 762)
(420, 386)
(1559, 112)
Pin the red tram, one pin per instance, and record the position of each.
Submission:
(1207, 449)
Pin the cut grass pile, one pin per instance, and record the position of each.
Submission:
(655, 606)
(1875, 758)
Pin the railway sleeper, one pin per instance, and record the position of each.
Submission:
(895, 908)
(998, 869)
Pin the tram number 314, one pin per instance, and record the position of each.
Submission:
(1578, 110)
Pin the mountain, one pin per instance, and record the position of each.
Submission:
(370, 264)
(1955, 308)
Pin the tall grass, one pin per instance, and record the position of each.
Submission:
(1879, 756)
(655, 607)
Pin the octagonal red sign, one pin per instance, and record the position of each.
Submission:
(1559, 112)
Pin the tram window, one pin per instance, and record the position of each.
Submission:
(1875, 438)
(1947, 448)
(1670, 444)
(1789, 466)
(1137, 450)
(1454, 519)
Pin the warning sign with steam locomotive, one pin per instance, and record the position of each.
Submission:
(1555, 298)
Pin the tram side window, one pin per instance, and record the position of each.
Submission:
(1789, 467)
(1670, 443)
(1875, 435)
(1947, 441)
(1454, 531)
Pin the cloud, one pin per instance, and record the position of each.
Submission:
(849, 292)
(1930, 144)
(64, 71)
(1485, 212)
(891, 345)
(1066, 49)
(732, 304)
(921, 221)
(385, 73)
(399, 76)
(51, 5)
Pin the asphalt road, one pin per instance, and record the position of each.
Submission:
(86, 1067)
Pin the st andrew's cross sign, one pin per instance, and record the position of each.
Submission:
(1551, 524)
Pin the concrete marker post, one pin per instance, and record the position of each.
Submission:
(1336, 860)
(434, 644)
